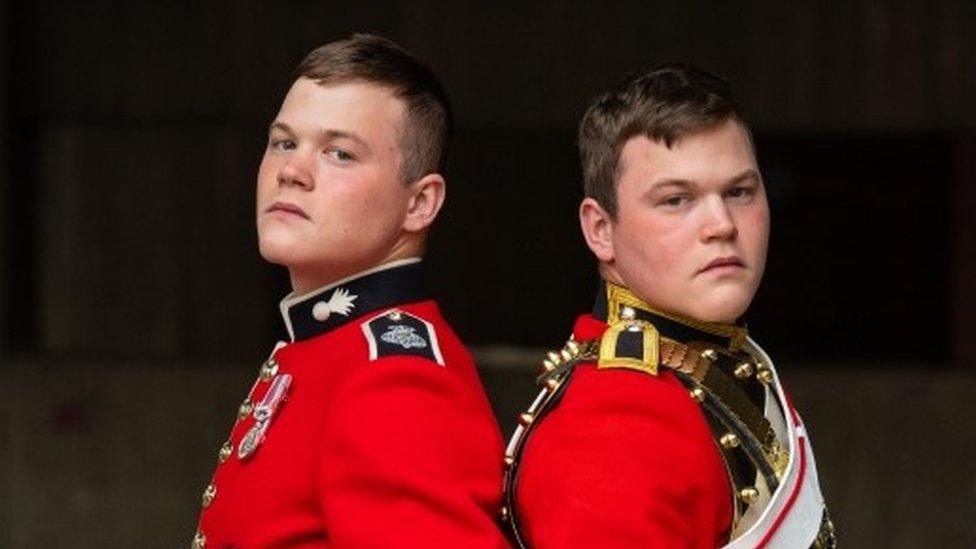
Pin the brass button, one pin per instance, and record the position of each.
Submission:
(729, 441)
(628, 313)
(225, 451)
(710, 355)
(749, 495)
(765, 375)
(208, 496)
(743, 370)
(245, 409)
(526, 418)
(269, 369)
(698, 394)
(199, 541)
(509, 460)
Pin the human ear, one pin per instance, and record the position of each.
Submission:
(597, 229)
(426, 198)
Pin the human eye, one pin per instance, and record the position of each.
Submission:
(341, 156)
(281, 144)
(674, 201)
(741, 193)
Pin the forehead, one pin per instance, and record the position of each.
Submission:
(714, 153)
(353, 106)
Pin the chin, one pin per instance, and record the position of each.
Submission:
(719, 316)
(279, 251)
(722, 308)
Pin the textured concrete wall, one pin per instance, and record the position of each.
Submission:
(95, 455)
(103, 456)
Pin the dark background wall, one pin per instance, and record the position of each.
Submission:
(133, 303)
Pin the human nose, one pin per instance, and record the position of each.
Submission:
(296, 171)
(718, 223)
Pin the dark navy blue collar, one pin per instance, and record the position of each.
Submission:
(325, 309)
(615, 303)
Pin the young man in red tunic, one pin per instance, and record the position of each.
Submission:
(369, 426)
(661, 424)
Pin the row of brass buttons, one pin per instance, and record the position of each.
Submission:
(266, 373)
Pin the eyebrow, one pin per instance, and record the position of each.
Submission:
(671, 182)
(749, 173)
(327, 133)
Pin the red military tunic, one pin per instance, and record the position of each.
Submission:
(660, 431)
(624, 460)
(381, 435)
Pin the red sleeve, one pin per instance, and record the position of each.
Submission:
(410, 458)
(625, 460)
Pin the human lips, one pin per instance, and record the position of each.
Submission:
(722, 264)
(287, 208)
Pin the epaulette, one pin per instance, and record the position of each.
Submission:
(399, 333)
(632, 344)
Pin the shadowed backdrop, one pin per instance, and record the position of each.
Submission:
(135, 310)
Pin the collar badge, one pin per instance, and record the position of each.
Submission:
(341, 302)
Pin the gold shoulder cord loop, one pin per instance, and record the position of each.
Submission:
(633, 344)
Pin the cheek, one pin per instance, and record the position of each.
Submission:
(755, 228)
(664, 242)
(362, 206)
(267, 175)
(349, 202)
(644, 247)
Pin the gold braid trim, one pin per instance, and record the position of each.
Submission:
(618, 297)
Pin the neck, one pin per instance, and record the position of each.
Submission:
(615, 303)
(305, 279)
(302, 285)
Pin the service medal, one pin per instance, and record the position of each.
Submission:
(251, 440)
(263, 413)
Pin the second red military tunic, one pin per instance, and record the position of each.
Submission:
(624, 460)
(654, 430)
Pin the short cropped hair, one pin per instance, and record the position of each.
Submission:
(664, 103)
(428, 121)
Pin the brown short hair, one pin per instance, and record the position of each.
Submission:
(426, 132)
(663, 103)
